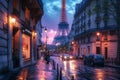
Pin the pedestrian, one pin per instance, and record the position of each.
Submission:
(48, 57)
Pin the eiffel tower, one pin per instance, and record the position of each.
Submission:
(63, 27)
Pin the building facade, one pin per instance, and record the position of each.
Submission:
(95, 29)
(18, 19)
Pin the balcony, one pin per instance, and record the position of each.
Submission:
(109, 28)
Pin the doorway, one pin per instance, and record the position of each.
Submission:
(15, 49)
(98, 50)
(106, 52)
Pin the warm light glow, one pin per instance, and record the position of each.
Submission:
(71, 57)
(72, 42)
(65, 57)
(100, 74)
(98, 33)
(72, 67)
(26, 46)
(51, 33)
(12, 20)
(34, 33)
(65, 65)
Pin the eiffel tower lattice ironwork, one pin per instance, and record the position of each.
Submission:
(63, 27)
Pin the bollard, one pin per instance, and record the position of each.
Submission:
(57, 72)
(72, 78)
(60, 73)
(53, 64)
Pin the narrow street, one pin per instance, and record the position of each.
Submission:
(80, 71)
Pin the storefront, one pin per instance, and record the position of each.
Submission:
(26, 47)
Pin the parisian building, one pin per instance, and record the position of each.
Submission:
(94, 29)
(18, 32)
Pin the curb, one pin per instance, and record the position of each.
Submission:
(113, 66)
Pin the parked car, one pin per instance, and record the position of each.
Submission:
(66, 57)
(94, 59)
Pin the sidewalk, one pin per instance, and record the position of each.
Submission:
(112, 65)
(39, 71)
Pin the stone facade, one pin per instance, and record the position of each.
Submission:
(18, 19)
(95, 30)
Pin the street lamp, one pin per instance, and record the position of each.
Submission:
(98, 43)
(98, 35)
(34, 34)
(45, 30)
(73, 42)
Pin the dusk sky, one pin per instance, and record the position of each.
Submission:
(52, 14)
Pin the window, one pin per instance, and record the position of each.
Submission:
(106, 52)
(88, 49)
(98, 50)
(27, 15)
(16, 5)
(25, 46)
(105, 37)
(88, 38)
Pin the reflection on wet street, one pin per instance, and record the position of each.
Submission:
(80, 71)
(40, 71)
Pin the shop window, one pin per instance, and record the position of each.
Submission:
(25, 46)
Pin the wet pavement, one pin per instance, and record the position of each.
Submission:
(80, 71)
(40, 71)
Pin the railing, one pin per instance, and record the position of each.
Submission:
(92, 30)
(111, 61)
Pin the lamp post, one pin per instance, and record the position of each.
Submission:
(34, 44)
(98, 43)
(73, 46)
(45, 30)
(10, 22)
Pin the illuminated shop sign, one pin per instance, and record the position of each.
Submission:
(27, 31)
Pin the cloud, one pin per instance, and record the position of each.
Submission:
(51, 18)
(54, 6)
(51, 34)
